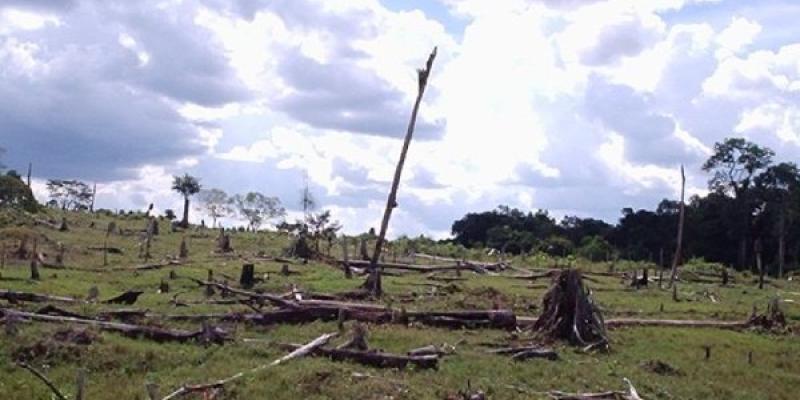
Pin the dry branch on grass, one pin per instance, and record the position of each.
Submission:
(207, 334)
(298, 352)
(630, 394)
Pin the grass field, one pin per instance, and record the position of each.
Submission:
(118, 367)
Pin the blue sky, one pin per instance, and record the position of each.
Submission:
(579, 107)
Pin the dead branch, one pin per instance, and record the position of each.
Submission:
(44, 379)
(298, 352)
(205, 335)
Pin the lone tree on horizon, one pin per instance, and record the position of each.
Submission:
(187, 186)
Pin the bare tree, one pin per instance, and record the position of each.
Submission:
(215, 203)
(257, 208)
(676, 258)
(373, 282)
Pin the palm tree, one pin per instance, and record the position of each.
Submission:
(187, 186)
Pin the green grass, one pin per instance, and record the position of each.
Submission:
(118, 367)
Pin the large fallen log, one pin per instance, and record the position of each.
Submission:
(377, 359)
(623, 322)
(204, 335)
(12, 296)
(419, 268)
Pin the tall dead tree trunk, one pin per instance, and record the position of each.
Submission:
(94, 192)
(757, 248)
(781, 240)
(30, 168)
(676, 258)
(373, 282)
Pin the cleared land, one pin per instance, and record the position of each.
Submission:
(662, 362)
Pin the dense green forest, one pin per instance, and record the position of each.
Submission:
(752, 203)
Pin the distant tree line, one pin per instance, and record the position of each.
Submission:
(753, 207)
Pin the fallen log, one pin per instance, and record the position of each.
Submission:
(205, 335)
(377, 359)
(112, 250)
(417, 268)
(526, 352)
(12, 296)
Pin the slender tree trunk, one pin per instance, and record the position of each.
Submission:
(94, 192)
(761, 270)
(373, 282)
(678, 247)
(781, 241)
(185, 221)
(30, 168)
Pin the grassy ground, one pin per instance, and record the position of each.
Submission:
(119, 367)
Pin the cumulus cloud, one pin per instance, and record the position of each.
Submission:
(580, 107)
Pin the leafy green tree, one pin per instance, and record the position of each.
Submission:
(595, 248)
(187, 186)
(169, 214)
(16, 194)
(733, 165)
(775, 187)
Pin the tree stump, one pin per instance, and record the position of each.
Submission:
(163, 287)
(60, 254)
(35, 263)
(285, 270)
(247, 278)
(209, 288)
(94, 293)
(363, 249)
(725, 277)
(63, 227)
(183, 251)
(346, 264)
(35, 269)
(223, 242)
(569, 313)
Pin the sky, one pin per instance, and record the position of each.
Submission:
(579, 107)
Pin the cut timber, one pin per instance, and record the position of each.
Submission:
(376, 359)
(569, 313)
(419, 268)
(12, 297)
(527, 352)
(112, 250)
(204, 335)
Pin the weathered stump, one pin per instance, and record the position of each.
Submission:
(247, 278)
(223, 242)
(183, 251)
(569, 313)
(63, 227)
(163, 287)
